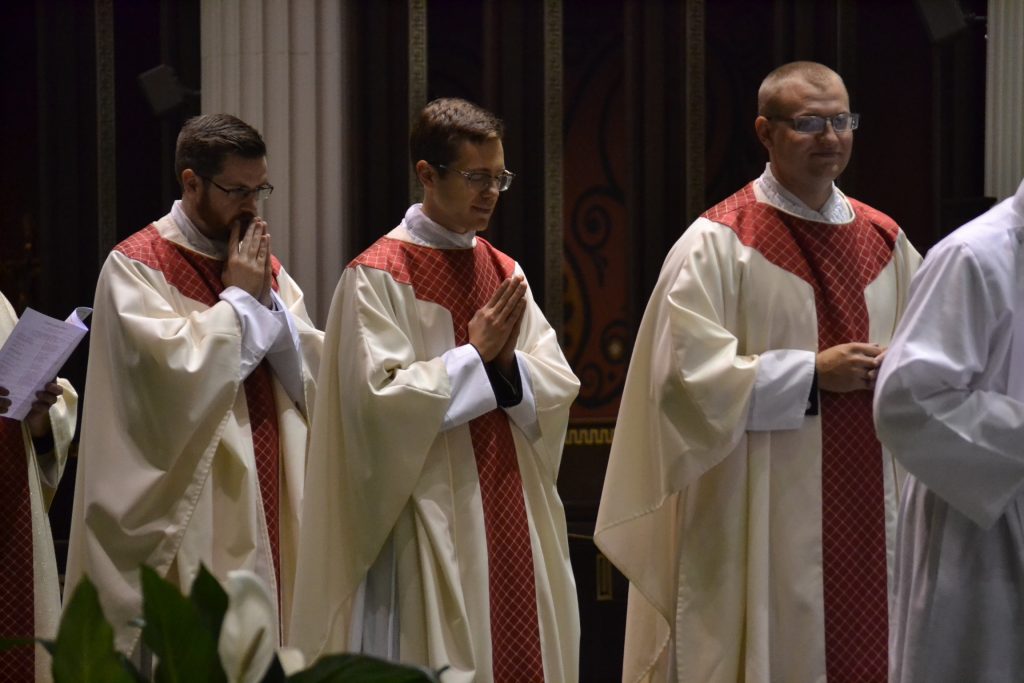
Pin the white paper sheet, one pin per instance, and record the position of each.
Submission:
(37, 348)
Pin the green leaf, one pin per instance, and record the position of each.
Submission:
(9, 643)
(49, 645)
(210, 600)
(130, 667)
(84, 649)
(349, 668)
(177, 634)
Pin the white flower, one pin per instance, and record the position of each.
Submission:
(248, 636)
(291, 660)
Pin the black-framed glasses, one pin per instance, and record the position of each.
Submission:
(813, 125)
(481, 181)
(240, 194)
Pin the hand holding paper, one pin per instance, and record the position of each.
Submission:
(38, 418)
(30, 358)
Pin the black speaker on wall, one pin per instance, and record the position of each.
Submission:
(944, 18)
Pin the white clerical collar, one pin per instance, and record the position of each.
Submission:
(195, 239)
(836, 209)
(428, 233)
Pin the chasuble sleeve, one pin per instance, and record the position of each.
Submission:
(394, 399)
(381, 404)
(956, 432)
(552, 385)
(170, 362)
(684, 408)
(162, 384)
(704, 378)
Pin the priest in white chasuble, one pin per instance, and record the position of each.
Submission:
(434, 533)
(33, 452)
(747, 499)
(201, 376)
(950, 405)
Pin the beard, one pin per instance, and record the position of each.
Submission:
(216, 226)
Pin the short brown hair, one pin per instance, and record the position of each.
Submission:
(444, 124)
(206, 141)
(814, 73)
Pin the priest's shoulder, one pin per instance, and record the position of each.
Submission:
(506, 264)
(145, 246)
(732, 206)
(387, 254)
(880, 220)
(138, 242)
(756, 224)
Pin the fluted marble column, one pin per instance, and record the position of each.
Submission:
(278, 65)
(1004, 98)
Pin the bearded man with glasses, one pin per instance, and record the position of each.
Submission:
(439, 537)
(201, 377)
(747, 498)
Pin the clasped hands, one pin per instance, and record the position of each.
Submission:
(849, 367)
(494, 328)
(248, 265)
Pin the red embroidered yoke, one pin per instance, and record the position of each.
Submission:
(462, 281)
(17, 596)
(839, 262)
(198, 277)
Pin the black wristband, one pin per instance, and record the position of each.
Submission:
(507, 390)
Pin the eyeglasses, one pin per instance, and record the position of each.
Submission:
(813, 125)
(480, 181)
(240, 194)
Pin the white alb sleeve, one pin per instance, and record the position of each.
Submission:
(285, 356)
(271, 334)
(782, 390)
(472, 395)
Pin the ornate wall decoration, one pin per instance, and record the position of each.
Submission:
(597, 332)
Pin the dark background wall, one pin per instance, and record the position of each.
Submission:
(88, 161)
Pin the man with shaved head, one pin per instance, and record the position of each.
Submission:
(747, 498)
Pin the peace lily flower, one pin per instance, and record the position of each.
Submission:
(291, 660)
(180, 629)
(247, 636)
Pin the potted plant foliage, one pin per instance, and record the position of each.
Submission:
(215, 635)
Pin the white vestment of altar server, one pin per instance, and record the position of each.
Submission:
(395, 533)
(713, 494)
(950, 407)
(167, 473)
(44, 473)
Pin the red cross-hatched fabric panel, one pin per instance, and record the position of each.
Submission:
(198, 277)
(839, 262)
(462, 281)
(17, 582)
